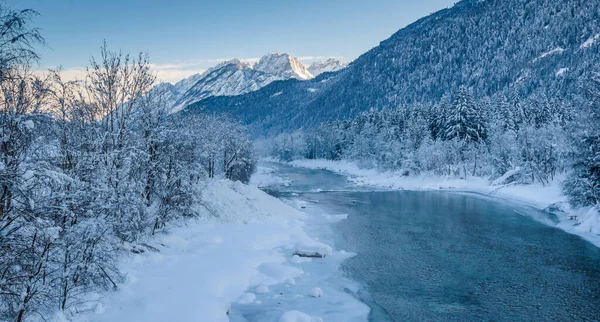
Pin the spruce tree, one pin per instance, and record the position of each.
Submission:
(583, 185)
(464, 121)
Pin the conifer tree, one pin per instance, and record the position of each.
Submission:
(583, 185)
(464, 122)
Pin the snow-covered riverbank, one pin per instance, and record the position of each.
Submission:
(584, 222)
(237, 259)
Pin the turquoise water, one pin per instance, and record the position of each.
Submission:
(439, 256)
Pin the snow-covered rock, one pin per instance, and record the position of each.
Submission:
(562, 71)
(330, 65)
(312, 248)
(316, 292)
(283, 66)
(590, 42)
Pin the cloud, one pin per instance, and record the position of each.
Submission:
(177, 70)
(171, 73)
(212, 61)
(174, 75)
(69, 74)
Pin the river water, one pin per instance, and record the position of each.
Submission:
(442, 256)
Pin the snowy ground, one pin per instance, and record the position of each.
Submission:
(584, 222)
(236, 262)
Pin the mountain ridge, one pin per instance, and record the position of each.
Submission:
(236, 77)
(494, 47)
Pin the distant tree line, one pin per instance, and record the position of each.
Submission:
(92, 167)
(509, 140)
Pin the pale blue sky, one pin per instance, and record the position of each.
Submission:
(185, 36)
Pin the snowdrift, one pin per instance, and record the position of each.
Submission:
(238, 256)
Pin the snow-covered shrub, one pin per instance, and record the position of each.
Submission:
(87, 169)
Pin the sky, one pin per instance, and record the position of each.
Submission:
(184, 37)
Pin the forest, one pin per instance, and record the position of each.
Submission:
(91, 168)
(509, 140)
(94, 168)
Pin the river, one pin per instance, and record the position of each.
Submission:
(444, 256)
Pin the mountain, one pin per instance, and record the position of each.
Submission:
(226, 79)
(330, 65)
(494, 47)
(283, 66)
(172, 93)
(232, 78)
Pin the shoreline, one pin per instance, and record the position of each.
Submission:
(583, 222)
(235, 260)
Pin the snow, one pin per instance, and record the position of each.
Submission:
(316, 292)
(295, 316)
(284, 66)
(239, 252)
(297, 259)
(274, 273)
(584, 222)
(590, 42)
(262, 289)
(28, 175)
(247, 298)
(29, 124)
(312, 248)
(235, 202)
(233, 77)
(556, 50)
(502, 179)
(562, 72)
(330, 65)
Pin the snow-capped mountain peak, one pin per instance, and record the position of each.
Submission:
(283, 65)
(234, 62)
(330, 65)
(233, 77)
(183, 85)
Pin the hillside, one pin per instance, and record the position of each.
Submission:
(494, 47)
(235, 77)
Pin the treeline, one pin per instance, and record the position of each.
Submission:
(92, 167)
(508, 140)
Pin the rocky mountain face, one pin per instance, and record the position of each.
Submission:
(283, 66)
(330, 65)
(494, 47)
(234, 77)
(226, 79)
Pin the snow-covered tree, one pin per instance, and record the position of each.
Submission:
(464, 121)
(583, 185)
(88, 168)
